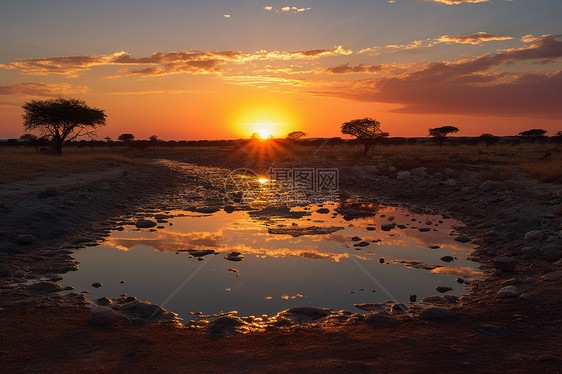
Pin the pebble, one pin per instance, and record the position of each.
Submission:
(435, 313)
(447, 258)
(504, 263)
(533, 235)
(508, 292)
(443, 289)
(97, 285)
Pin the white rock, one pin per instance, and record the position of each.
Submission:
(403, 175)
(508, 292)
(101, 316)
(533, 235)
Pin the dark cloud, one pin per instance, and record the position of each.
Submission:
(40, 89)
(346, 68)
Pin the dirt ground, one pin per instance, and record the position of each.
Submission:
(39, 333)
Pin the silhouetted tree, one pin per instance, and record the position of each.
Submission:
(366, 130)
(489, 139)
(557, 138)
(62, 119)
(440, 133)
(125, 138)
(107, 139)
(533, 134)
(153, 138)
(295, 135)
(29, 139)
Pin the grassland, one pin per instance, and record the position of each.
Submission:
(17, 163)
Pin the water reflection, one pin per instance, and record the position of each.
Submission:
(286, 261)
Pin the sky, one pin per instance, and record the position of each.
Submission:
(221, 69)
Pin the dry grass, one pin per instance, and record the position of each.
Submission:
(19, 163)
(549, 170)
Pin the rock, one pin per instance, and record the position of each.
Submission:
(508, 292)
(435, 313)
(504, 263)
(403, 175)
(443, 289)
(225, 325)
(510, 282)
(387, 226)
(380, 319)
(229, 209)
(102, 316)
(104, 301)
(145, 224)
(424, 229)
(142, 309)
(97, 285)
(356, 239)
(309, 312)
(207, 209)
(447, 258)
(533, 235)
(45, 287)
(349, 214)
(450, 182)
(323, 211)
(419, 172)
(200, 253)
(413, 298)
(234, 256)
(398, 308)
(361, 244)
(558, 210)
(462, 239)
(460, 280)
(26, 239)
(552, 252)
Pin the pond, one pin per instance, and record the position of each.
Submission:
(263, 262)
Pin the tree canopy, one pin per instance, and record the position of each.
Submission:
(366, 130)
(126, 137)
(440, 133)
(533, 134)
(62, 119)
(295, 135)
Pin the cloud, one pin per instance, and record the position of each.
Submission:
(471, 86)
(285, 9)
(40, 89)
(476, 38)
(192, 61)
(346, 68)
(456, 2)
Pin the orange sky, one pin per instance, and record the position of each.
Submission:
(278, 69)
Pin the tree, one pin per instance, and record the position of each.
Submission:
(125, 138)
(107, 139)
(153, 139)
(440, 133)
(533, 134)
(489, 139)
(557, 138)
(366, 130)
(295, 135)
(62, 119)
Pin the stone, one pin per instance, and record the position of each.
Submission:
(97, 285)
(435, 313)
(380, 319)
(413, 298)
(398, 308)
(104, 301)
(419, 172)
(225, 325)
(310, 312)
(401, 175)
(504, 263)
(234, 256)
(508, 292)
(102, 316)
(145, 224)
(200, 253)
(323, 211)
(462, 239)
(450, 182)
(533, 235)
(45, 287)
(355, 239)
(387, 226)
(443, 289)
(207, 209)
(447, 258)
(552, 252)
(142, 309)
(424, 229)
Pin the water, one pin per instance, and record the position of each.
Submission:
(278, 271)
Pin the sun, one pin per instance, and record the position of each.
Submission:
(264, 134)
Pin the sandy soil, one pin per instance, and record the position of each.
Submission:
(47, 333)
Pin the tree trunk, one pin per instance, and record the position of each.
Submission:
(58, 147)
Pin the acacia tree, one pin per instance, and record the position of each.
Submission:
(489, 139)
(62, 119)
(295, 135)
(125, 138)
(440, 133)
(366, 130)
(533, 134)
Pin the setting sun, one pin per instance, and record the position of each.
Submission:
(264, 134)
